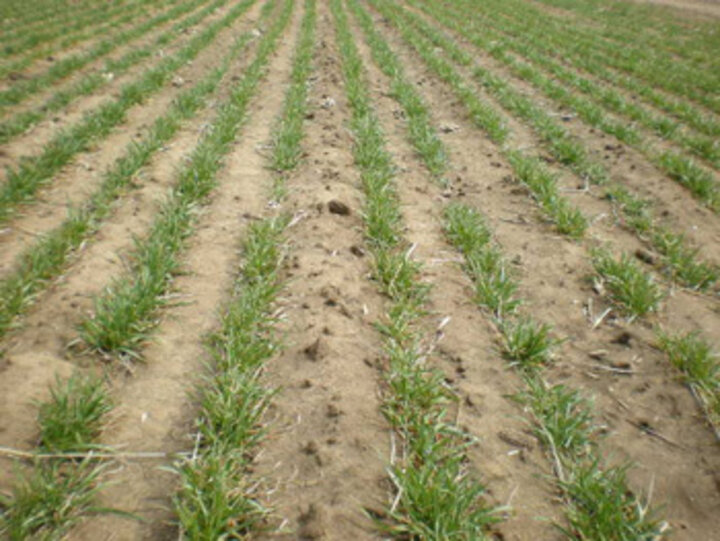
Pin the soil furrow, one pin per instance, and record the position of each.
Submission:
(328, 443)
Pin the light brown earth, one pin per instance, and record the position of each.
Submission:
(322, 468)
(698, 7)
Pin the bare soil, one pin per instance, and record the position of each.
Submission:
(322, 468)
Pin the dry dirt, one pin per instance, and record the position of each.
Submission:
(322, 467)
(709, 8)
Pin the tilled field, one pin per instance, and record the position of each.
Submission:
(359, 269)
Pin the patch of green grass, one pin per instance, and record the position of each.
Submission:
(602, 507)
(214, 502)
(72, 419)
(694, 357)
(564, 420)
(58, 492)
(444, 501)
(495, 287)
(680, 262)
(289, 133)
(48, 502)
(527, 343)
(628, 285)
(531, 171)
(421, 133)
(636, 211)
(696, 179)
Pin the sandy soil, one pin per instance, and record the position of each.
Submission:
(697, 7)
(322, 468)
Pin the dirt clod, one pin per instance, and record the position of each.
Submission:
(645, 256)
(624, 339)
(338, 207)
(333, 411)
(315, 351)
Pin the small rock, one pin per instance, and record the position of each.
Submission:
(338, 207)
(178, 81)
(449, 128)
(327, 102)
(357, 250)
